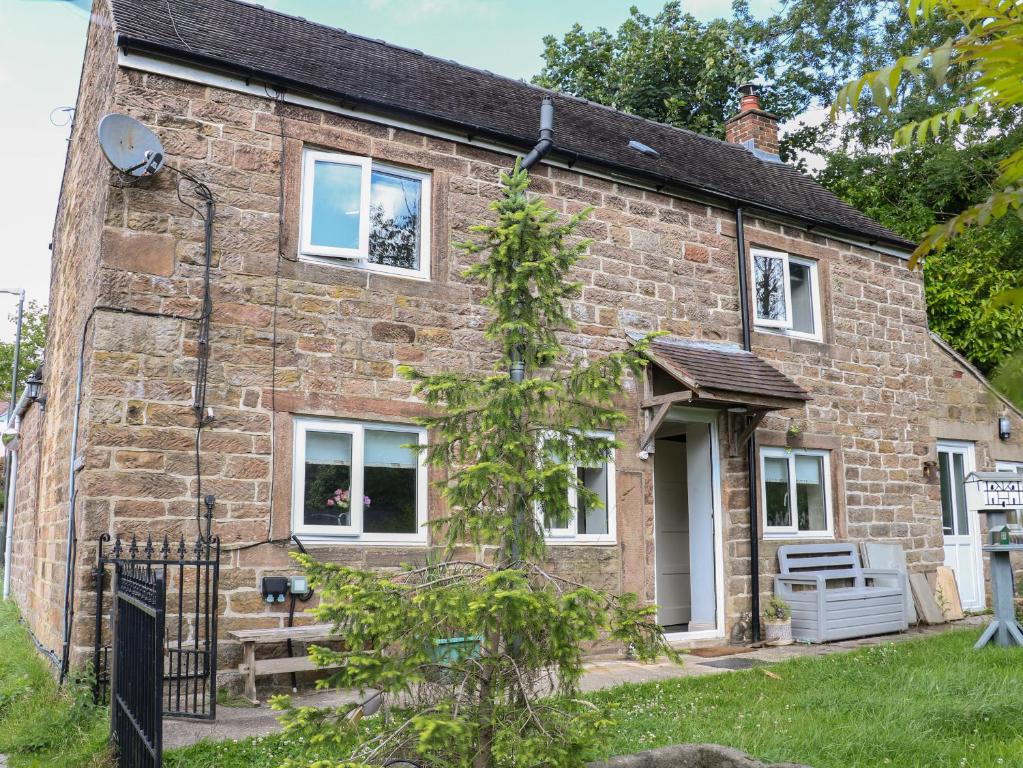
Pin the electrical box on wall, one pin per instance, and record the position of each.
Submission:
(298, 585)
(274, 588)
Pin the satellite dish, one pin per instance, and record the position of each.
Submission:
(129, 146)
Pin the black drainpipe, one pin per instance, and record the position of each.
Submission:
(751, 445)
(546, 140)
(517, 368)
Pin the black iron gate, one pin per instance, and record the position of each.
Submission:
(191, 574)
(138, 600)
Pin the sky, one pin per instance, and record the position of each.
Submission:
(41, 47)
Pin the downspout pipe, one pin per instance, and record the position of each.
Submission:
(543, 146)
(517, 366)
(72, 492)
(751, 445)
(517, 369)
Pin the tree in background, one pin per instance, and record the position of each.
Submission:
(979, 66)
(671, 68)
(675, 69)
(33, 341)
(481, 649)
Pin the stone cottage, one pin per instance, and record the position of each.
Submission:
(341, 170)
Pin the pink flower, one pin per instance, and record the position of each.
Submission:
(330, 502)
(365, 501)
(343, 496)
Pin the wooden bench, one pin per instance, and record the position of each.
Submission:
(822, 613)
(251, 667)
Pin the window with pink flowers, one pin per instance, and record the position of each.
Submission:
(359, 480)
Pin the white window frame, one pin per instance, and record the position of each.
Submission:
(1012, 466)
(784, 322)
(784, 326)
(568, 534)
(354, 531)
(358, 258)
(792, 531)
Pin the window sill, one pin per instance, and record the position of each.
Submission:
(788, 334)
(360, 540)
(812, 536)
(566, 541)
(366, 267)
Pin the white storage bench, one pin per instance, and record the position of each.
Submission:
(823, 610)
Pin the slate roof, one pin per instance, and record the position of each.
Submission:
(726, 368)
(303, 56)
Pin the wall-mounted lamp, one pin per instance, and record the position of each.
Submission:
(1004, 427)
(930, 469)
(34, 388)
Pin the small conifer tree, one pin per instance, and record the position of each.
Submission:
(480, 655)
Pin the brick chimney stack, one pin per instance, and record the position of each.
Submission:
(752, 126)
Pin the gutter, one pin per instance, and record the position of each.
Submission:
(661, 182)
(751, 445)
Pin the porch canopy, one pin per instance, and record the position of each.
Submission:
(714, 375)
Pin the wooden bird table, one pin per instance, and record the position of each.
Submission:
(1004, 630)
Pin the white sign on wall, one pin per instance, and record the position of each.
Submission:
(994, 490)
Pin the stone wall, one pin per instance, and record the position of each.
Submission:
(74, 286)
(32, 550)
(291, 337)
(967, 409)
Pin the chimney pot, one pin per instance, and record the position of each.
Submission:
(752, 127)
(750, 97)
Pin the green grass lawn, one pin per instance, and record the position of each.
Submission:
(40, 725)
(932, 702)
(922, 704)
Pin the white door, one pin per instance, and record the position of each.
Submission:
(671, 534)
(959, 525)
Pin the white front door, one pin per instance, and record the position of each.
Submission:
(671, 534)
(959, 525)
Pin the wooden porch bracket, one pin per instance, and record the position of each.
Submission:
(663, 404)
(741, 428)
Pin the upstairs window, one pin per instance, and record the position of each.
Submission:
(366, 214)
(785, 294)
(359, 480)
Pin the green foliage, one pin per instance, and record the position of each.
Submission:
(1008, 377)
(777, 610)
(671, 68)
(33, 340)
(40, 724)
(986, 56)
(484, 654)
(809, 48)
(906, 189)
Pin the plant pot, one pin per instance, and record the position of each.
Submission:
(778, 632)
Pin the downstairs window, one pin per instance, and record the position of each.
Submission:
(359, 480)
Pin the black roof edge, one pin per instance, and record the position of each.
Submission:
(144, 46)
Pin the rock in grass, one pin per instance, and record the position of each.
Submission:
(689, 756)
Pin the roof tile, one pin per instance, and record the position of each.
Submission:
(727, 368)
(251, 40)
